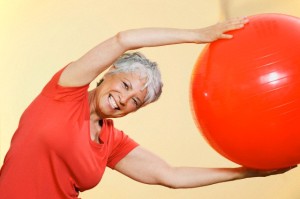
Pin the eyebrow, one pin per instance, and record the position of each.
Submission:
(129, 82)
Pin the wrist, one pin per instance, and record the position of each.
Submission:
(241, 173)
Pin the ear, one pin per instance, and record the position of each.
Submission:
(109, 70)
(112, 68)
(98, 83)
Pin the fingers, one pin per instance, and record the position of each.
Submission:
(264, 173)
(232, 24)
(287, 169)
(280, 171)
(226, 36)
(236, 23)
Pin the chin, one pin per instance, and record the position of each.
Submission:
(118, 116)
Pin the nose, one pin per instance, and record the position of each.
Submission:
(124, 99)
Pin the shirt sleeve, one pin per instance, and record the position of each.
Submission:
(123, 145)
(61, 93)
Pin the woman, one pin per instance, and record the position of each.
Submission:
(65, 140)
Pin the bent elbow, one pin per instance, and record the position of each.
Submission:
(171, 184)
(125, 41)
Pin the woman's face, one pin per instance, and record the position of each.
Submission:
(119, 94)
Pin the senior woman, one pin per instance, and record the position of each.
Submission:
(65, 140)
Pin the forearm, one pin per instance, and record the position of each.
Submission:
(151, 37)
(190, 177)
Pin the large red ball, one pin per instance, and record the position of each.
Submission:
(245, 93)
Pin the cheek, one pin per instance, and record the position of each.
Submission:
(102, 103)
(129, 109)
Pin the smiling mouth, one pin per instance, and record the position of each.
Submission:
(113, 103)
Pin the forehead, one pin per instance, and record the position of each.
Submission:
(133, 77)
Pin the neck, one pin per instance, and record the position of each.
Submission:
(94, 118)
(92, 98)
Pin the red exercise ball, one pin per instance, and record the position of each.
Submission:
(245, 93)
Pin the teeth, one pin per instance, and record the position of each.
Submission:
(112, 102)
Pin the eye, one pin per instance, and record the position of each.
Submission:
(135, 102)
(125, 85)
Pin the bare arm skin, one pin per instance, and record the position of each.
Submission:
(94, 62)
(144, 166)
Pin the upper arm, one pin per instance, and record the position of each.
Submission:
(89, 66)
(144, 166)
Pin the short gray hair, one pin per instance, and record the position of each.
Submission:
(138, 63)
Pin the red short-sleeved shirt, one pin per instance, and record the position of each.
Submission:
(52, 155)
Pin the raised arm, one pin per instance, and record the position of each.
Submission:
(143, 166)
(89, 66)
